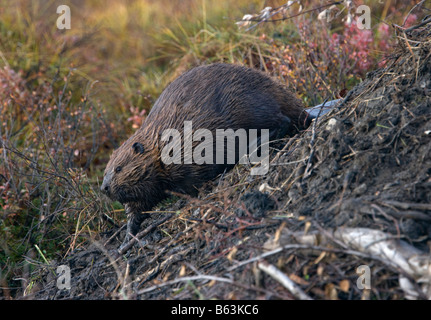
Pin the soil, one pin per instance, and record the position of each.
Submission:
(366, 164)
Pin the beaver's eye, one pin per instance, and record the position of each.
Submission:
(118, 169)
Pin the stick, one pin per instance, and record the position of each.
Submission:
(143, 233)
(419, 25)
(276, 10)
(313, 137)
(412, 9)
(284, 280)
(185, 279)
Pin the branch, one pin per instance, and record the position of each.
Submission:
(284, 280)
(276, 11)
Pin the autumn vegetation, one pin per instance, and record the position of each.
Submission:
(69, 97)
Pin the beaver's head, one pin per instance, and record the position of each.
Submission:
(134, 174)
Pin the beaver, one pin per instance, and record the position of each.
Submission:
(215, 96)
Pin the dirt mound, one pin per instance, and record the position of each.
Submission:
(344, 211)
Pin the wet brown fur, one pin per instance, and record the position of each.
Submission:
(217, 96)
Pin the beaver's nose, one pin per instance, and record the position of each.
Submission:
(106, 184)
(105, 188)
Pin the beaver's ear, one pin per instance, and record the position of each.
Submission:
(138, 148)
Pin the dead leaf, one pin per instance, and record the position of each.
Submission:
(331, 292)
(320, 270)
(307, 227)
(344, 285)
(232, 254)
(182, 271)
(320, 257)
(298, 279)
(278, 232)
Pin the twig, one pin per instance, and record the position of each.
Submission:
(170, 244)
(227, 227)
(259, 21)
(407, 205)
(116, 263)
(313, 138)
(418, 26)
(267, 254)
(44, 259)
(383, 213)
(280, 152)
(186, 279)
(307, 246)
(284, 280)
(209, 278)
(114, 235)
(411, 10)
(143, 233)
